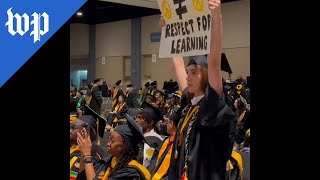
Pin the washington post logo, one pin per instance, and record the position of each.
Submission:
(39, 21)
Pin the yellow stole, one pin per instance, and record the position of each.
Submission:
(187, 118)
(118, 109)
(74, 159)
(114, 101)
(163, 168)
(134, 163)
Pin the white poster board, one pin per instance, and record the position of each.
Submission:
(187, 29)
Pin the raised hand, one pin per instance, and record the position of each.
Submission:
(84, 142)
(162, 22)
(214, 4)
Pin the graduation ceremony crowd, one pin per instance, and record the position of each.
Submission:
(194, 128)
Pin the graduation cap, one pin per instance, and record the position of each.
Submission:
(198, 60)
(225, 64)
(153, 112)
(97, 80)
(202, 61)
(131, 130)
(175, 118)
(130, 85)
(91, 123)
(154, 83)
(118, 82)
(147, 84)
(102, 120)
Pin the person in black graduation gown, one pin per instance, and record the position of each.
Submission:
(118, 112)
(132, 97)
(162, 160)
(243, 121)
(144, 93)
(87, 122)
(202, 143)
(117, 91)
(96, 96)
(122, 146)
(148, 119)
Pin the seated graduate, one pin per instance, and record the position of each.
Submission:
(117, 91)
(77, 126)
(173, 104)
(118, 112)
(162, 163)
(123, 148)
(148, 119)
(160, 101)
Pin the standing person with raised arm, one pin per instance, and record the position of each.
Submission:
(201, 145)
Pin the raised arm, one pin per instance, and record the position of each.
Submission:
(214, 58)
(85, 145)
(177, 65)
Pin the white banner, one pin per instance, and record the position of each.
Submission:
(187, 30)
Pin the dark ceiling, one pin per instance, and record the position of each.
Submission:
(96, 12)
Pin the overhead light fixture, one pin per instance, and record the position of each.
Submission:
(79, 13)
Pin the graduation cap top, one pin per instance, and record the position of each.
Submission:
(118, 82)
(91, 122)
(131, 130)
(91, 112)
(154, 83)
(97, 80)
(198, 60)
(202, 61)
(97, 117)
(130, 85)
(153, 112)
(147, 84)
(225, 64)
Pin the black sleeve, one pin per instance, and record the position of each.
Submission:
(97, 95)
(124, 109)
(214, 112)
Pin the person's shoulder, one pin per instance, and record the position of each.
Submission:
(133, 171)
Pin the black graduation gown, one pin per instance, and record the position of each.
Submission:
(115, 98)
(133, 99)
(209, 145)
(163, 161)
(120, 113)
(127, 173)
(242, 127)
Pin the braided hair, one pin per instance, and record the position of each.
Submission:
(130, 152)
